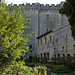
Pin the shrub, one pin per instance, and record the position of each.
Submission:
(69, 59)
(40, 70)
(53, 59)
(59, 68)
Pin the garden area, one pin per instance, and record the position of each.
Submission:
(67, 68)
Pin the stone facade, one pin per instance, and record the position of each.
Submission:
(43, 18)
(63, 42)
(58, 43)
(45, 45)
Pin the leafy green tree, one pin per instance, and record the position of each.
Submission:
(69, 10)
(13, 41)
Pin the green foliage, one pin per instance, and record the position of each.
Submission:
(59, 68)
(54, 59)
(71, 66)
(69, 10)
(13, 41)
(69, 59)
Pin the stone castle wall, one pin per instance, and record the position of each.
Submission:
(43, 18)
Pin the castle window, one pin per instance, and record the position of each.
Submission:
(41, 42)
(28, 20)
(44, 55)
(66, 38)
(57, 40)
(68, 55)
(30, 46)
(47, 15)
(48, 56)
(62, 48)
(46, 29)
(41, 55)
(58, 55)
(55, 56)
(38, 42)
(73, 47)
(45, 40)
(63, 55)
(50, 22)
(50, 39)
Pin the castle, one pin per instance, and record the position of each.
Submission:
(52, 34)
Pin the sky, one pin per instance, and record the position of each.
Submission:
(34, 1)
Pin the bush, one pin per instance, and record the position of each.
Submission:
(60, 69)
(40, 70)
(71, 66)
(69, 59)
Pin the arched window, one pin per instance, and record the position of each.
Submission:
(57, 40)
(50, 22)
(66, 38)
(73, 47)
(50, 39)
(41, 42)
(58, 55)
(48, 56)
(41, 55)
(45, 40)
(44, 55)
(30, 46)
(46, 29)
(68, 55)
(38, 42)
(62, 48)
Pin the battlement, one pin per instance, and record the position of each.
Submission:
(39, 5)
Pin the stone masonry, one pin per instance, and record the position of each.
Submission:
(43, 18)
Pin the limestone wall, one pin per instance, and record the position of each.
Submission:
(42, 19)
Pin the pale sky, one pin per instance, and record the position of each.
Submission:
(34, 1)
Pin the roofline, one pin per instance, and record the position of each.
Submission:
(51, 31)
(45, 34)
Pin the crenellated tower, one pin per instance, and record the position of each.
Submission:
(43, 18)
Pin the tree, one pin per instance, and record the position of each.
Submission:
(69, 10)
(13, 41)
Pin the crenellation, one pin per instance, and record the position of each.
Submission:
(52, 5)
(27, 4)
(41, 5)
(58, 5)
(47, 5)
(33, 4)
(38, 5)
